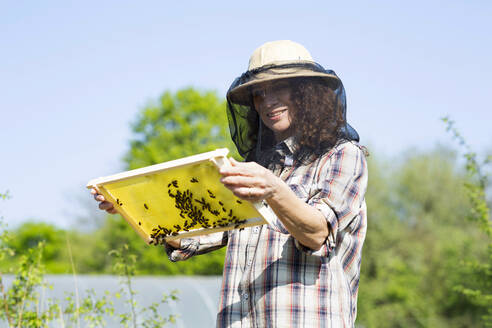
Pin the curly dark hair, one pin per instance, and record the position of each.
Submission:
(317, 121)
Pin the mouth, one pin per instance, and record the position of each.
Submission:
(276, 113)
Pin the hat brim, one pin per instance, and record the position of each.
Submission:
(242, 93)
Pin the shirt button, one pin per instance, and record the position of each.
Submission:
(256, 229)
(250, 261)
(246, 296)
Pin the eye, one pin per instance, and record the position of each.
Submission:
(258, 94)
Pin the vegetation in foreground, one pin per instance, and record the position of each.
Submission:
(22, 306)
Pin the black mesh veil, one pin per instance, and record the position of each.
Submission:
(249, 134)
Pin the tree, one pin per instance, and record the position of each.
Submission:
(181, 124)
(30, 234)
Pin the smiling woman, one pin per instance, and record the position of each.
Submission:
(293, 98)
(287, 118)
(273, 102)
(303, 107)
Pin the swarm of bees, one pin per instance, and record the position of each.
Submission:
(194, 212)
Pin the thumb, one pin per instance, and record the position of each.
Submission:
(233, 161)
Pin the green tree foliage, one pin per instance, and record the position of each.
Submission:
(476, 283)
(30, 234)
(418, 236)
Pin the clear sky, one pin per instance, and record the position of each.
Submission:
(74, 74)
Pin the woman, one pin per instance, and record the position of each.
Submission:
(287, 118)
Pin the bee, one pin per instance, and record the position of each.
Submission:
(194, 180)
(230, 213)
(139, 223)
(238, 201)
(175, 183)
(146, 207)
(221, 204)
(210, 194)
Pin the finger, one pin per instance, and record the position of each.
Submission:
(240, 169)
(105, 206)
(250, 194)
(112, 211)
(244, 164)
(99, 198)
(235, 163)
(240, 181)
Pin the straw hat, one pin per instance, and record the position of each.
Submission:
(277, 60)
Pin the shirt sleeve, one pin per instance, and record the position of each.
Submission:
(339, 195)
(196, 246)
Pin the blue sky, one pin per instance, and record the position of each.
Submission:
(74, 75)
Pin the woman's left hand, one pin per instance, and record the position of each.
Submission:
(249, 180)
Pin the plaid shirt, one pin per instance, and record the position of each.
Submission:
(270, 279)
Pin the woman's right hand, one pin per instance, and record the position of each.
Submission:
(103, 204)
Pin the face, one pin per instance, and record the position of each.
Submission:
(273, 103)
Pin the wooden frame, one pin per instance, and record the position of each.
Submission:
(139, 197)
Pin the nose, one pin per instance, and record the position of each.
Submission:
(270, 99)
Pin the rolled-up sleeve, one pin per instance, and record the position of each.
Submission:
(339, 193)
(196, 246)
